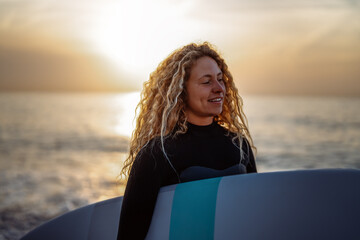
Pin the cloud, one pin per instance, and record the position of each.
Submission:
(33, 70)
(235, 7)
(52, 17)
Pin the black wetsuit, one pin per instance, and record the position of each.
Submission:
(202, 152)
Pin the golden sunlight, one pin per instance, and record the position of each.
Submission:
(132, 33)
(125, 123)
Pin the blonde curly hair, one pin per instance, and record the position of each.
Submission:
(163, 99)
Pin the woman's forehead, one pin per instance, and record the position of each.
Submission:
(204, 66)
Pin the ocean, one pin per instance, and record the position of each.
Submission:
(61, 151)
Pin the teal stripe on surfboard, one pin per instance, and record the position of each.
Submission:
(193, 210)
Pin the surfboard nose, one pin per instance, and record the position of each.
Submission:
(93, 222)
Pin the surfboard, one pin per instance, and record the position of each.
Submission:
(303, 204)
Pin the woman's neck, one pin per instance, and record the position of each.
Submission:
(201, 121)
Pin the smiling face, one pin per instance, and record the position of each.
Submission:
(205, 92)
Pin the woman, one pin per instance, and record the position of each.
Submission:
(190, 126)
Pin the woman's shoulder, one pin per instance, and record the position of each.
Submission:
(152, 147)
(156, 147)
(149, 157)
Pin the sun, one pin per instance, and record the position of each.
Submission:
(137, 34)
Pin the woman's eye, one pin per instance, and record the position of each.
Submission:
(220, 80)
(207, 82)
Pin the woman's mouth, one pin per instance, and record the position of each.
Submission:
(215, 100)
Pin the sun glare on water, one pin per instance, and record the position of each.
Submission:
(136, 35)
(125, 123)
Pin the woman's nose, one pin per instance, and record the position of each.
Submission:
(218, 86)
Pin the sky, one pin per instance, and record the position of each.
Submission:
(282, 47)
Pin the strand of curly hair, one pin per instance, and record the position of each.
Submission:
(162, 104)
